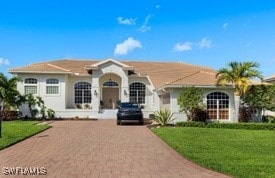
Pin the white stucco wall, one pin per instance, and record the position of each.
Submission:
(56, 101)
(174, 107)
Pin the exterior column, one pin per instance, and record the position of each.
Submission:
(124, 92)
(237, 105)
(95, 93)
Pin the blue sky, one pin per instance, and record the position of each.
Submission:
(209, 33)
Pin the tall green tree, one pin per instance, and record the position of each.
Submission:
(260, 98)
(239, 75)
(9, 96)
(190, 100)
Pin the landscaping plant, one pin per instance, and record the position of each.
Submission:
(260, 98)
(163, 117)
(190, 101)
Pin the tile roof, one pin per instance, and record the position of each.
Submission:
(160, 73)
(270, 78)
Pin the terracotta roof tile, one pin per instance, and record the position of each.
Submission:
(160, 73)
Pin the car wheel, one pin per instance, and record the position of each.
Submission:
(141, 122)
(117, 122)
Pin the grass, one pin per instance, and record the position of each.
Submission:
(239, 153)
(15, 131)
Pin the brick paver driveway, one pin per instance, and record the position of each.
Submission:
(100, 149)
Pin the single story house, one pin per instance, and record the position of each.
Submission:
(84, 88)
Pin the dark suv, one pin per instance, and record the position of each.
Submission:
(128, 112)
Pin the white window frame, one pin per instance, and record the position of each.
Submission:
(137, 93)
(31, 84)
(83, 93)
(53, 84)
(218, 107)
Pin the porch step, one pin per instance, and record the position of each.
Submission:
(107, 114)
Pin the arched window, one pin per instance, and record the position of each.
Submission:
(30, 81)
(30, 86)
(137, 92)
(110, 84)
(218, 105)
(82, 92)
(52, 86)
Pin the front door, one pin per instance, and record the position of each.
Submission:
(110, 97)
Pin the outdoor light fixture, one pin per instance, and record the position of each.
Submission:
(125, 92)
(95, 93)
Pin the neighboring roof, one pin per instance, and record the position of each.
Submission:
(269, 79)
(160, 73)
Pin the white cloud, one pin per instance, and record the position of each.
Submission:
(145, 27)
(179, 47)
(188, 46)
(205, 43)
(126, 21)
(127, 46)
(157, 6)
(225, 25)
(4, 62)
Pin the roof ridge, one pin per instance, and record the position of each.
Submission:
(185, 76)
(195, 65)
(61, 68)
(206, 72)
(188, 75)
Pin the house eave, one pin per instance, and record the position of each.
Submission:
(38, 72)
(197, 86)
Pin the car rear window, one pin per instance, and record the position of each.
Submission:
(129, 105)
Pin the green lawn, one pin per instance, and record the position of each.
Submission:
(239, 153)
(15, 131)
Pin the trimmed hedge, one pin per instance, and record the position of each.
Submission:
(246, 126)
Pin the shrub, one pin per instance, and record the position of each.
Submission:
(246, 126)
(11, 115)
(269, 119)
(50, 113)
(163, 117)
(200, 115)
(190, 100)
(190, 124)
(244, 114)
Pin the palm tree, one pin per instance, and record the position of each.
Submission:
(8, 92)
(239, 75)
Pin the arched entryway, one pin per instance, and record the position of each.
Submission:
(110, 91)
(110, 94)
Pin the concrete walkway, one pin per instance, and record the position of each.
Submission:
(99, 149)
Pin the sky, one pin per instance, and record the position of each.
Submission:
(208, 33)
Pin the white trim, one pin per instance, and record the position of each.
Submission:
(146, 89)
(96, 65)
(74, 92)
(58, 85)
(32, 84)
(229, 104)
(196, 86)
(38, 72)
